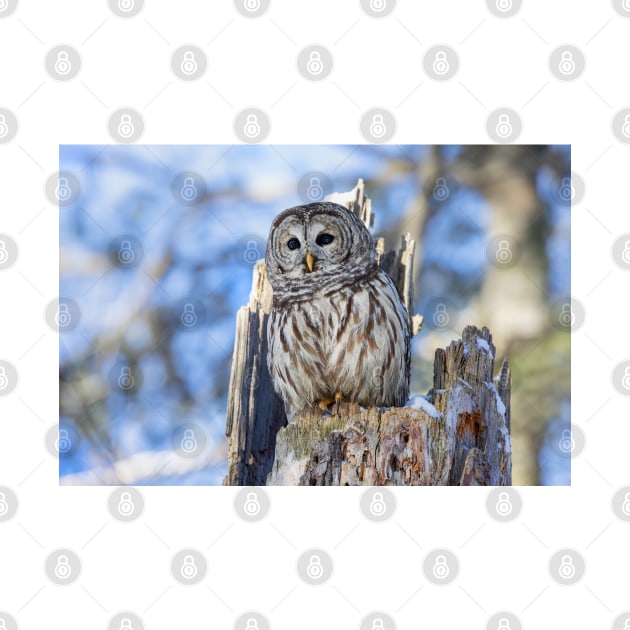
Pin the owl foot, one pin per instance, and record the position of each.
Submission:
(324, 404)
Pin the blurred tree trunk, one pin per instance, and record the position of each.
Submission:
(513, 301)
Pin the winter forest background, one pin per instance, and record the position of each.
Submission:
(157, 245)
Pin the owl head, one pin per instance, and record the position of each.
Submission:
(317, 245)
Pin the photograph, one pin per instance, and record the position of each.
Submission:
(315, 315)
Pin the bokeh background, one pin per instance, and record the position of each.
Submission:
(157, 245)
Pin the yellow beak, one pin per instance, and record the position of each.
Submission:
(309, 261)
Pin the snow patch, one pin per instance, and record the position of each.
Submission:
(420, 402)
(484, 345)
(500, 404)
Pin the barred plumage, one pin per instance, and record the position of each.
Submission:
(337, 325)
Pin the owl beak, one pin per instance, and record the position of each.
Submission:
(309, 261)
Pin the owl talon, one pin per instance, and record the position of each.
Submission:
(338, 399)
(324, 404)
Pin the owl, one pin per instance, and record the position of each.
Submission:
(337, 328)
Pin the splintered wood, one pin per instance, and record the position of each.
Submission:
(457, 434)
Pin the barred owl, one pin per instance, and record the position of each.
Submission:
(337, 329)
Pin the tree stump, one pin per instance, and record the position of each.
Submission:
(456, 435)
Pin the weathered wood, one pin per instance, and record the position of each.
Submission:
(458, 436)
(255, 412)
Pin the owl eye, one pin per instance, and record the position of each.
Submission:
(293, 243)
(324, 239)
